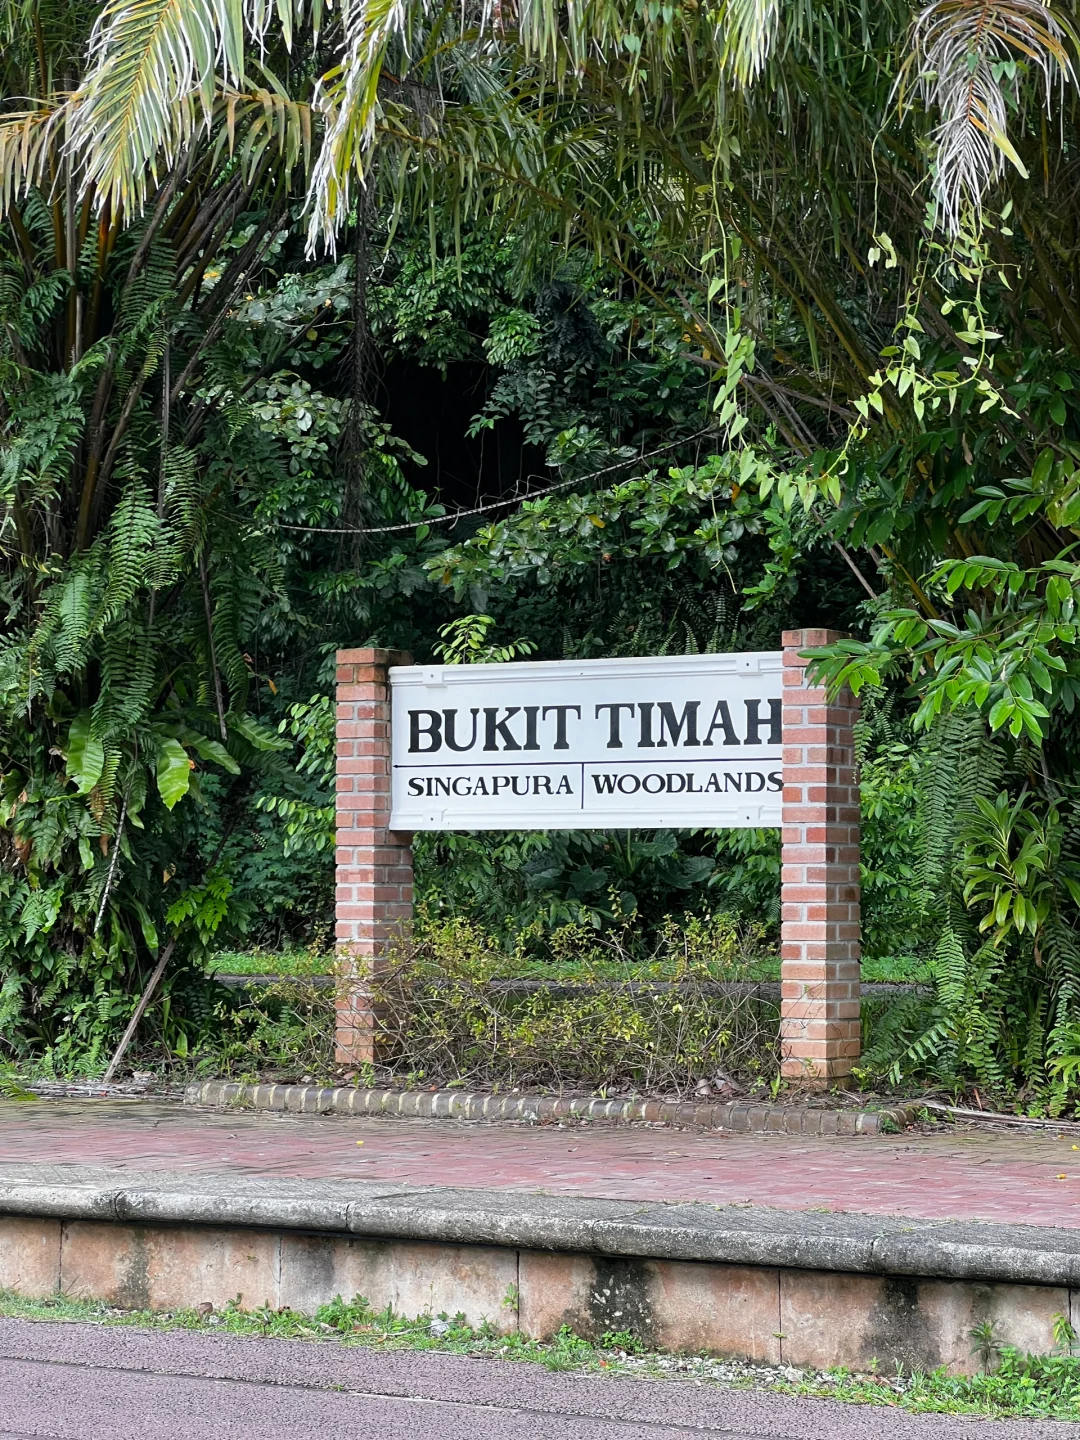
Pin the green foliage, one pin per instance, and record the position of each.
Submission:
(995, 887)
(745, 411)
(309, 812)
(514, 881)
(1022, 1385)
(465, 642)
(984, 1338)
(1014, 865)
(891, 766)
(694, 515)
(281, 1030)
(311, 961)
(129, 604)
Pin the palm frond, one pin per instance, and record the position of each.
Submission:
(26, 140)
(348, 97)
(251, 124)
(259, 16)
(964, 54)
(749, 30)
(150, 84)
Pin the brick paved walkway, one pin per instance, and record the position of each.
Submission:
(955, 1174)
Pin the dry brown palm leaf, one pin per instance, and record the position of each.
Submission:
(965, 58)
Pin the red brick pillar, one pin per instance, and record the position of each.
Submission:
(374, 866)
(819, 894)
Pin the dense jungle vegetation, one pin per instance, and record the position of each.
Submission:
(771, 306)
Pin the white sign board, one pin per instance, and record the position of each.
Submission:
(673, 741)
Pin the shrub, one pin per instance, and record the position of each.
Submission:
(283, 1030)
(599, 1013)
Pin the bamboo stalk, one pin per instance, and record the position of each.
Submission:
(140, 1011)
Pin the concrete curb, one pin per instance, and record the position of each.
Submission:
(741, 1116)
(735, 1235)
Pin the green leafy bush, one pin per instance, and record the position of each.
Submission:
(997, 867)
(282, 1030)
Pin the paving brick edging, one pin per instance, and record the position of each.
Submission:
(741, 1116)
(756, 1235)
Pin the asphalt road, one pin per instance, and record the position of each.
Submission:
(90, 1382)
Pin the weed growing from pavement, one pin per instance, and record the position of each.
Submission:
(1025, 1386)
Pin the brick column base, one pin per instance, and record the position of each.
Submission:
(819, 964)
(374, 866)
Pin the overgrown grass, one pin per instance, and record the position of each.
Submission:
(1021, 1386)
(896, 969)
(312, 960)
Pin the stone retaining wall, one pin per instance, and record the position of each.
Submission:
(758, 1313)
(802, 1288)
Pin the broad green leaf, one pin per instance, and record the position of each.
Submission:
(256, 734)
(1043, 466)
(213, 750)
(1000, 713)
(85, 754)
(136, 796)
(173, 772)
(1040, 674)
(149, 929)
